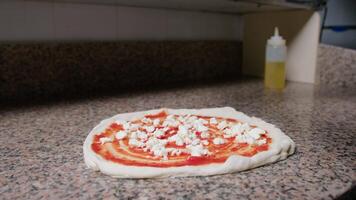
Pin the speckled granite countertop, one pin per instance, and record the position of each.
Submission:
(41, 146)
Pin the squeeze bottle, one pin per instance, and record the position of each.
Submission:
(275, 69)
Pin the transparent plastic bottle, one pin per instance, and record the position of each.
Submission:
(275, 70)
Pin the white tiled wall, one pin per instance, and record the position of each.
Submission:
(27, 20)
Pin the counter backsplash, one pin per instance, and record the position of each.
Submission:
(41, 71)
(52, 70)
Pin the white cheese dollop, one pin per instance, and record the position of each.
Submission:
(170, 117)
(165, 129)
(204, 135)
(157, 147)
(182, 130)
(175, 152)
(159, 151)
(177, 139)
(261, 142)
(120, 135)
(141, 135)
(256, 133)
(133, 135)
(199, 126)
(218, 141)
(195, 142)
(203, 121)
(136, 143)
(170, 122)
(197, 150)
(158, 133)
(105, 140)
(150, 129)
(192, 136)
(152, 141)
(126, 126)
(186, 117)
(245, 127)
(237, 129)
(187, 140)
(213, 120)
(156, 122)
(133, 127)
(245, 138)
(191, 119)
(222, 125)
(146, 120)
(228, 133)
(181, 119)
(250, 140)
(120, 121)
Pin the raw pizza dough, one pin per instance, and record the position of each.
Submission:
(280, 147)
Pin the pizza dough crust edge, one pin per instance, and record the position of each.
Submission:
(282, 146)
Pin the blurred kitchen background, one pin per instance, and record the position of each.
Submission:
(339, 27)
(55, 48)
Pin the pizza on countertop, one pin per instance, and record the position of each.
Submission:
(183, 142)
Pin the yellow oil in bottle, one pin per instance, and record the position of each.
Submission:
(275, 75)
(276, 51)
